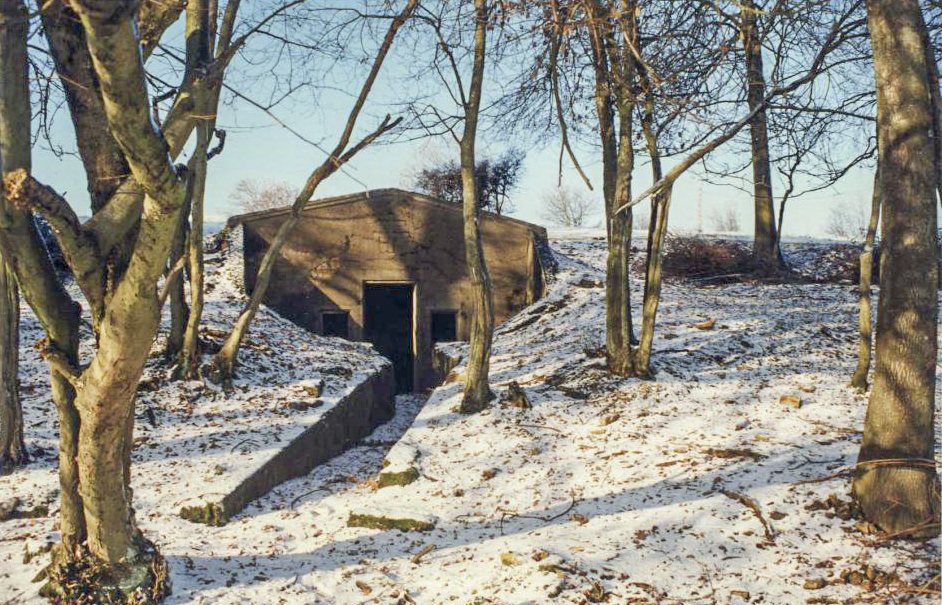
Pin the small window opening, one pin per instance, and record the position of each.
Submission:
(444, 326)
(335, 323)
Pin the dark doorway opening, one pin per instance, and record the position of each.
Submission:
(387, 323)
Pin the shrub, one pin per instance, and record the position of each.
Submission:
(707, 259)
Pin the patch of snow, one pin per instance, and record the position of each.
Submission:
(607, 486)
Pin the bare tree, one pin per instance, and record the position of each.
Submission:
(125, 321)
(805, 133)
(567, 207)
(496, 179)
(846, 220)
(895, 480)
(116, 258)
(765, 249)
(477, 390)
(13, 36)
(252, 195)
(859, 379)
(725, 220)
(461, 47)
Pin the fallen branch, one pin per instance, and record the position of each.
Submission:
(539, 426)
(417, 557)
(509, 513)
(248, 440)
(914, 531)
(313, 491)
(750, 503)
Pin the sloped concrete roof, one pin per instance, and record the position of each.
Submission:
(376, 194)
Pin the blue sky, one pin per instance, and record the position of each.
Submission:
(257, 148)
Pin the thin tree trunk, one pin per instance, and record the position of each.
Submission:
(859, 380)
(657, 232)
(179, 312)
(225, 360)
(201, 17)
(653, 280)
(895, 481)
(12, 446)
(57, 313)
(477, 390)
(764, 248)
(617, 166)
(190, 352)
(620, 331)
(933, 71)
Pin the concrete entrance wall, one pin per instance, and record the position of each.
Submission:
(392, 236)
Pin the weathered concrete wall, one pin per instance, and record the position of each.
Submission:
(369, 405)
(392, 236)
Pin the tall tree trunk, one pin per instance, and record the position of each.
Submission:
(12, 446)
(201, 17)
(932, 69)
(619, 329)
(477, 390)
(660, 208)
(57, 312)
(859, 380)
(179, 312)
(657, 232)
(190, 351)
(766, 254)
(106, 389)
(895, 481)
(611, 87)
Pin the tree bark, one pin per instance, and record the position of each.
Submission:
(26, 257)
(865, 344)
(477, 390)
(179, 312)
(106, 389)
(12, 446)
(200, 19)
(613, 89)
(895, 481)
(765, 251)
(657, 232)
(190, 350)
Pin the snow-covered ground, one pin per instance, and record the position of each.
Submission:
(688, 489)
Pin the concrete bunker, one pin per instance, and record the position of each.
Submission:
(388, 266)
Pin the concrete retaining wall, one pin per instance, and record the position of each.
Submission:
(369, 405)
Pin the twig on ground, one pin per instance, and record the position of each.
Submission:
(909, 531)
(509, 513)
(539, 426)
(810, 461)
(417, 557)
(308, 493)
(248, 440)
(750, 503)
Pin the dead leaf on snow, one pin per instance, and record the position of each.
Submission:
(705, 325)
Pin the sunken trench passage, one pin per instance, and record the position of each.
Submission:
(388, 324)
